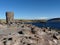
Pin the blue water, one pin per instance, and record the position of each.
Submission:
(39, 24)
(54, 25)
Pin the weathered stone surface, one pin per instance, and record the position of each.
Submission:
(29, 35)
(9, 17)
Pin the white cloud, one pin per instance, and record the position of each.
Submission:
(43, 17)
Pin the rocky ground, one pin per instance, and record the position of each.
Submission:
(27, 34)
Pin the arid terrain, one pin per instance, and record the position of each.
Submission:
(27, 34)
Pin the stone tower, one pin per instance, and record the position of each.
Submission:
(9, 17)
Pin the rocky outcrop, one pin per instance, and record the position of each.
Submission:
(27, 34)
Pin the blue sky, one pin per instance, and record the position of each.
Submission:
(30, 9)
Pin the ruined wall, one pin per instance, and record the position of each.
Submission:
(9, 17)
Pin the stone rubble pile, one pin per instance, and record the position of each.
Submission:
(31, 35)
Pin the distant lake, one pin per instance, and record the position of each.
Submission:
(54, 25)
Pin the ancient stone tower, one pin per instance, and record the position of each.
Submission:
(9, 17)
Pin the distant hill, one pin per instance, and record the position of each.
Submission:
(54, 20)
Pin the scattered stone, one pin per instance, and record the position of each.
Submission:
(29, 35)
